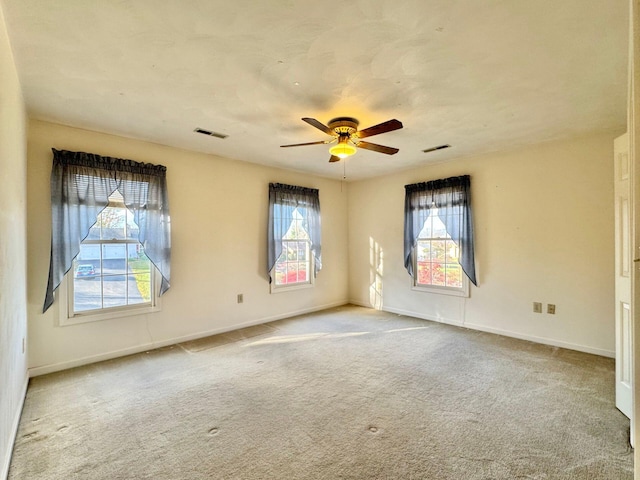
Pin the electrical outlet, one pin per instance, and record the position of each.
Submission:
(240, 298)
(537, 307)
(551, 308)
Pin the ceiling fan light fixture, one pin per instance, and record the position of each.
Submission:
(343, 149)
(345, 131)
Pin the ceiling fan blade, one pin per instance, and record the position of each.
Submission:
(334, 159)
(303, 144)
(320, 126)
(388, 126)
(378, 148)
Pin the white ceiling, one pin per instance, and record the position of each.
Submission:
(479, 75)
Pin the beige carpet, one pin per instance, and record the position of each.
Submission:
(349, 393)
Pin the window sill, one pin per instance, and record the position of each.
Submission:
(67, 319)
(107, 315)
(463, 292)
(283, 288)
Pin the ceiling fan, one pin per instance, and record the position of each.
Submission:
(344, 131)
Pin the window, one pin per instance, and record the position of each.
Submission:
(293, 267)
(437, 255)
(97, 242)
(111, 273)
(438, 235)
(293, 238)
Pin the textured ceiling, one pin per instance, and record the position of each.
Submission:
(481, 76)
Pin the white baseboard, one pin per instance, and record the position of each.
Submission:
(422, 316)
(498, 331)
(6, 456)
(543, 340)
(44, 369)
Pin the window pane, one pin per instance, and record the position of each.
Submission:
(451, 252)
(89, 254)
(438, 274)
(286, 253)
(454, 276)
(302, 272)
(295, 229)
(138, 261)
(86, 291)
(424, 250)
(438, 228)
(84, 269)
(426, 229)
(302, 251)
(438, 250)
(114, 290)
(139, 288)
(132, 228)
(292, 273)
(292, 252)
(424, 273)
(114, 258)
(94, 233)
(112, 221)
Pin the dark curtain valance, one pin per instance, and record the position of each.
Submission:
(452, 189)
(283, 200)
(81, 184)
(294, 195)
(65, 158)
(452, 197)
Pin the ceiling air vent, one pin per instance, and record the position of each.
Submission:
(433, 149)
(210, 133)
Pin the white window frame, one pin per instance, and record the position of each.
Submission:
(68, 316)
(299, 285)
(273, 287)
(442, 290)
(462, 291)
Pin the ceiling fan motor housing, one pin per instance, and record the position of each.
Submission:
(344, 126)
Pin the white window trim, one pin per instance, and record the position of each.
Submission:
(441, 290)
(296, 286)
(68, 317)
(462, 291)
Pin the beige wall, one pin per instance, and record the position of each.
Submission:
(544, 232)
(543, 217)
(218, 221)
(13, 314)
